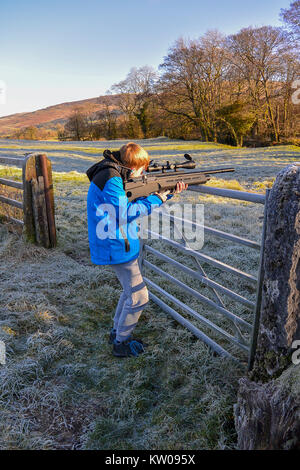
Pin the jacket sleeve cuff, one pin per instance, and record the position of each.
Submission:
(159, 197)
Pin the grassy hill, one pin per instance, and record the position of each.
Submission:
(51, 116)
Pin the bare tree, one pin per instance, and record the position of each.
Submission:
(232, 89)
(108, 122)
(257, 52)
(192, 83)
(288, 121)
(76, 125)
(135, 94)
(291, 17)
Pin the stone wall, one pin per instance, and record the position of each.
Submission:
(267, 414)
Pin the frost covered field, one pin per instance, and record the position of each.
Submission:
(61, 388)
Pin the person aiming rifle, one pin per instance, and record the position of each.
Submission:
(125, 185)
(163, 178)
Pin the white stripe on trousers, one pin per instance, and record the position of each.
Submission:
(133, 299)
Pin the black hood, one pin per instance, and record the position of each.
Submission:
(111, 160)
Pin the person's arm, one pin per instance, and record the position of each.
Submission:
(126, 211)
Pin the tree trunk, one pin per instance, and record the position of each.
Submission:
(271, 114)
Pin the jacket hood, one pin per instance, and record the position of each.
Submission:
(112, 160)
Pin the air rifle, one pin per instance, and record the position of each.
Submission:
(160, 178)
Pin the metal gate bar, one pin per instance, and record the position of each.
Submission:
(183, 321)
(206, 281)
(236, 322)
(12, 161)
(259, 289)
(230, 193)
(197, 315)
(14, 184)
(199, 267)
(230, 315)
(219, 233)
(207, 259)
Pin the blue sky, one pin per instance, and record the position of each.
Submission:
(52, 52)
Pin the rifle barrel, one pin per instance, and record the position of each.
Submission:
(191, 172)
(218, 170)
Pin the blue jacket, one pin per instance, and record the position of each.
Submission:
(112, 227)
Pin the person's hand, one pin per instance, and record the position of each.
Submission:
(180, 186)
(163, 195)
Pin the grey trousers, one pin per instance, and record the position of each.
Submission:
(133, 299)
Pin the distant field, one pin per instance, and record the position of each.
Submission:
(61, 387)
(78, 156)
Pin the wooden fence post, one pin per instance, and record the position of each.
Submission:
(29, 172)
(38, 201)
(40, 212)
(46, 169)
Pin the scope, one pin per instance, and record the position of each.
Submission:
(153, 166)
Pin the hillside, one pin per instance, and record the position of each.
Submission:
(52, 115)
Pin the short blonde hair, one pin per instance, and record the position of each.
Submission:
(134, 156)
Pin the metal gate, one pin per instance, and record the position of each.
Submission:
(240, 333)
